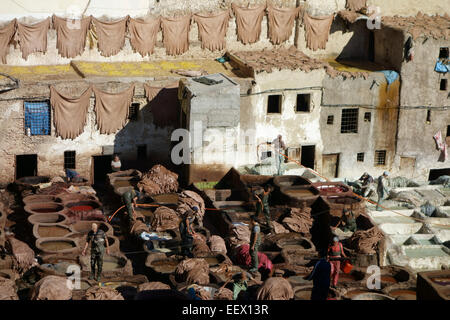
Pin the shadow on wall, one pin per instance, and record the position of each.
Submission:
(145, 140)
(360, 45)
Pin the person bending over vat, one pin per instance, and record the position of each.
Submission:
(129, 199)
(98, 239)
(73, 176)
(187, 233)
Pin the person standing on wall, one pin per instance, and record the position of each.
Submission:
(335, 253)
(262, 205)
(97, 238)
(382, 189)
(255, 241)
(280, 148)
(187, 233)
(115, 163)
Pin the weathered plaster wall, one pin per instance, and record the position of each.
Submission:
(50, 149)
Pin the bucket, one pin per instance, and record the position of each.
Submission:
(346, 267)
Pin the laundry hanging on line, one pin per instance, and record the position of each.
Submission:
(71, 35)
(6, 35)
(281, 23)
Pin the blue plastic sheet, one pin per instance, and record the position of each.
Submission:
(390, 76)
(441, 67)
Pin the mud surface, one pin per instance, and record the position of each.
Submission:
(57, 245)
(52, 231)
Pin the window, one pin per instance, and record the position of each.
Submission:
(443, 53)
(69, 159)
(349, 121)
(380, 157)
(303, 103)
(443, 85)
(367, 116)
(294, 153)
(428, 117)
(330, 119)
(133, 111)
(266, 154)
(37, 118)
(448, 131)
(360, 157)
(142, 152)
(274, 104)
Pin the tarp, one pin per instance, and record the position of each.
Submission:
(248, 22)
(390, 76)
(442, 67)
(111, 35)
(143, 34)
(69, 113)
(112, 109)
(176, 34)
(212, 29)
(164, 104)
(281, 23)
(355, 5)
(317, 30)
(33, 37)
(6, 35)
(71, 35)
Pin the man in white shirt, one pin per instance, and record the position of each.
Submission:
(116, 164)
(279, 147)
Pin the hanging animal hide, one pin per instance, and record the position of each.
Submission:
(164, 104)
(70, 113)
(33, 38)
(281, 23)
(111, 35)
(317, 30)
(248, 21)
(212, 29)
(6, 35)
(176, 34)
(71, 35)
(143, 34)
(112, 109)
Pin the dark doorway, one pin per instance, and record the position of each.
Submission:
(26, 165)
(308, 156)
(436, 173)
(102, 166)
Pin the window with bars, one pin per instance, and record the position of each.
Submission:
(367, 116)
(274, 104)
(37, 118)
(360, 157)
(69, 159)
(330, 119)
(380, 157)
(349, 121)
(133, 111)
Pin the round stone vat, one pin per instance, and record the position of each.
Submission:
(299, 195)
(114, 265)
(65, 198)
(84, 227)
(371, 296)
(58, 264)
(44, 207)
(48, 218)
(299, 243)
(354, 278)
(58, 245)
(328, 189)
(355, 290)
(51, 230)
(401, 291)
(84, 205)
(119, 182)
(338, 203)
(113, 241)
(162, 265)
(289, 181)
(304, 293)
(28, 182)
(121, 190)
(392, 275)
(39, 198)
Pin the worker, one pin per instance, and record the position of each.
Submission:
(262, 205)
(347, 221)
(320, 276)
(187, 233)
(382, 189)
(255, 241)
(73, 176)
(240, 284)
(98, 239)
(335, 253)
(129, 199)
(197, 216)
(367, 184)
(280, 147)
(115, 163)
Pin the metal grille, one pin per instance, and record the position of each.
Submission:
(37, 118)
(380, 157)
(69, 159)
(349, 121)
(330, 119)
(360, 157)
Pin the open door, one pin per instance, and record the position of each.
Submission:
(101, 167)
(308, 156)
(26, 165)
(330, 165)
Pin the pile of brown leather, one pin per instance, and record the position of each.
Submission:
(366, 241)
(299, 220)
(159, 180)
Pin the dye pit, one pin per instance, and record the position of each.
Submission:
(81, 208)
(57, 245)
(52, 231)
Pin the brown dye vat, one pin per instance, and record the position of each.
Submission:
(165, 266)
(85, 205)
(125, 183)
(46, 219)
(355, 292)
(442, 281)
(52, 231)
(388, 279)
(111, 265)
(166, 198)
(39, 198)
(303, 293)
(57, 245)
(47, 207)
(409, 294)
(299, 192)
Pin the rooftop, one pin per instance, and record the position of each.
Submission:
(437, 27)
